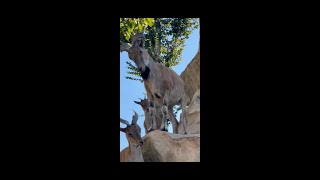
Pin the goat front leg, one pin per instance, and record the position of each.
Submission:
(152, 111)
(164, 111)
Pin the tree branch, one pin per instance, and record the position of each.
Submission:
(158, 31)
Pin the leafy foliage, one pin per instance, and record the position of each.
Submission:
(165, 38)
(129, 26)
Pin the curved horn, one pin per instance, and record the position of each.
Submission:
(135, 38)
(124, 121)
(137, 102)
(134, 118)
(125, 47)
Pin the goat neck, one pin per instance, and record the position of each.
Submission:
(151, 72)
(135, 152)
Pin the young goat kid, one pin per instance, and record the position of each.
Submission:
(133, 133)
(164, 87)
(148, 117)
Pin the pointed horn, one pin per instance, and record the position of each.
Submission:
(124, 122)
(135, 118)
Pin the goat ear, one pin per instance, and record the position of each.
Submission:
(125, 47)
(123, 129)
(124, 122)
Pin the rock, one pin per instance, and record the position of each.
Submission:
(191, 77)
(193, 116)
(161, 146)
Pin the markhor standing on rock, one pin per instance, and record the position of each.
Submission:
(164, 87)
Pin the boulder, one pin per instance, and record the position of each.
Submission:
(193, 116)
(191, 77)
(161, 146)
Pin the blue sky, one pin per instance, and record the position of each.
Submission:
(133, 90)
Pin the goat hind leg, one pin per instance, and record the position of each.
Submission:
(184, 115)
(173, 121)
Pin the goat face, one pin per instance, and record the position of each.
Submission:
(137, 52)
(144, 104)
(133, 131)
(133, 134)
(140, 57)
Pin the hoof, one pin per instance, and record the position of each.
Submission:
(150, 129)
(186, 133)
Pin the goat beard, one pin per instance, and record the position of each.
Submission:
(145, 73)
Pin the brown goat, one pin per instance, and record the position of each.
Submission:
(164, 87)
(133, 133)
(148, 117)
